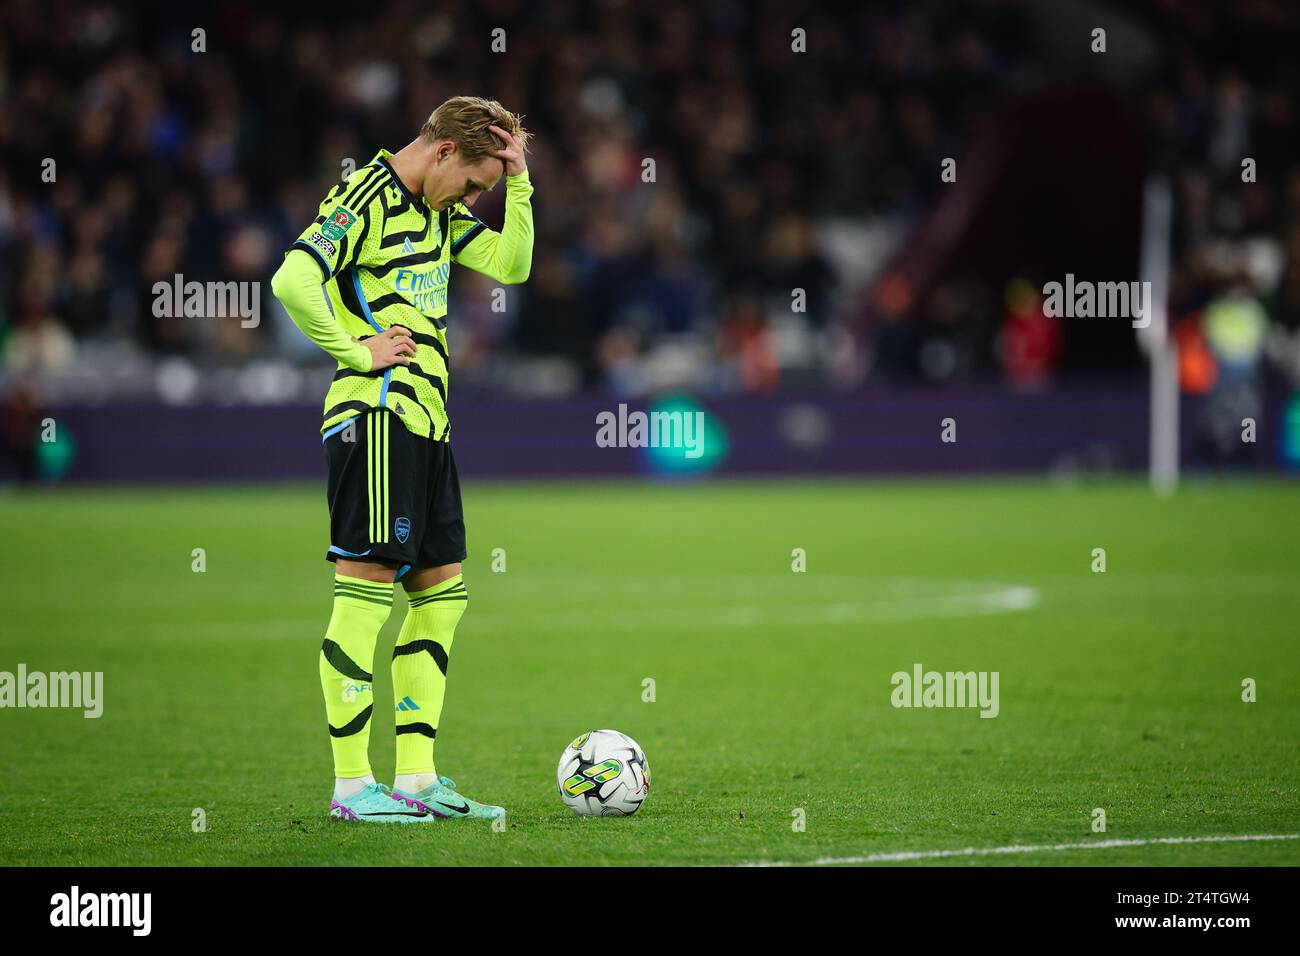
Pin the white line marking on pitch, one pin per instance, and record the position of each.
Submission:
(997, 599)
(1040, 848)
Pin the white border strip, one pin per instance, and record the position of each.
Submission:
(971, 851)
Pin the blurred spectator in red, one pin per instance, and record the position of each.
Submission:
(1030, 341)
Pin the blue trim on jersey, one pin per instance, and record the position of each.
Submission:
(460, 243)
(320, 258)
(401, 571)
(365, 306)
(349, 554)
(338, 428)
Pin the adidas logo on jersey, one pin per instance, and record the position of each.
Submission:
(407, 704)
(407, 247)
(399, 409)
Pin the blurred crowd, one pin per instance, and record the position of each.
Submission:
(134, 149)
(1221, 127)
(168, 160)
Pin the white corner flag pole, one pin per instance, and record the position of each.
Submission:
(1154, 338)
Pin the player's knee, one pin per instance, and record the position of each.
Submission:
(422, 579)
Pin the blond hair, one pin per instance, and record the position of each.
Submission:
(465, 120)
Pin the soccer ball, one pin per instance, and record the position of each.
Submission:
(603, 774)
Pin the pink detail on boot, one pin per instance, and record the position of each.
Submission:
(343, 812)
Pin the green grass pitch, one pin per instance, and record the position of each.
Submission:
(1119, 690)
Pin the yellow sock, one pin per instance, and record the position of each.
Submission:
(347, 660)
(420, 671)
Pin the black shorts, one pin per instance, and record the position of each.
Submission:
(393, 496)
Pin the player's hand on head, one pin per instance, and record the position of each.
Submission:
(513, 153)
(391, 347)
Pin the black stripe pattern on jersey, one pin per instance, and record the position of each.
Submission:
(401, 388)
(350, 406)
(396, 298)
(463, 241)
